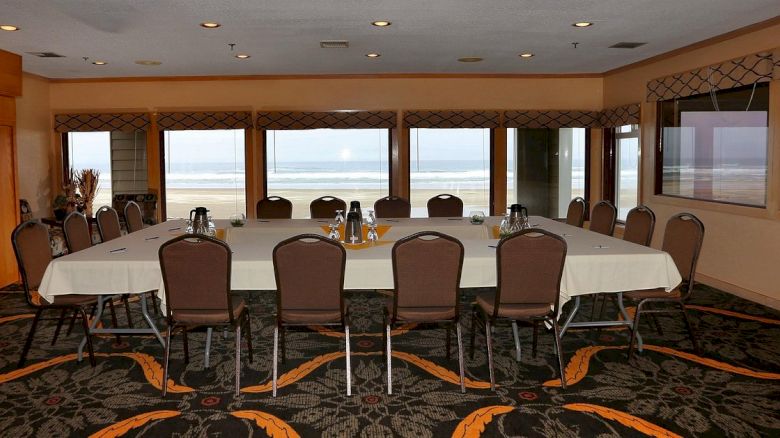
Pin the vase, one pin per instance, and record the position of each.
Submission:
(88, 209)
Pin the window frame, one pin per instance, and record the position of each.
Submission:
(611, 181)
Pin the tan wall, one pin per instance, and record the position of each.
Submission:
(742, 245)
(33, 138)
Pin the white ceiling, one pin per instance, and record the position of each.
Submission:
(427, 36)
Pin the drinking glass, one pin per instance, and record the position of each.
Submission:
(339, 217)
(372, 235)
(477, 217)
(371, 220)
(334, 232)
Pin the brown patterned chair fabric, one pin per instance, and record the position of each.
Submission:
(134, 220)
(76, 230)
(640, 224)
(196, 275)
(683, 239)
(575, 215)
(445, 205)
(427, 268)
(274, 207)
(603, 217)
(392, 207)
(314, 298)
(530, 266)
(325, 207)
(108, 224)
(30, 241)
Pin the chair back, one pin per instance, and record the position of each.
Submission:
(427, 268)
(274, 207)
(682, 240)
(326, 206)
(392, 206)
(575, 215)
(134, 220)
(445, 205)
(530, 266)
(640, 224)
(309, 271)
(76, 230)
(33, 253)
(196, 274)
(603, 217)
(108, 224)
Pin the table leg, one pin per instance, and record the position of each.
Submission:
(516, 334)
(571, 315)
(152, 325)
(629, 319)
(208, 346)
(95, 320)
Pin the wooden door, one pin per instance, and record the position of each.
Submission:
(8, 206)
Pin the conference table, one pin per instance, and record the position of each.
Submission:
(595, 263)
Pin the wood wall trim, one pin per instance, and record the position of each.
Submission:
(738, 291)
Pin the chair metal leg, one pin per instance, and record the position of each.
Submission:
(126, 302)
(72, 322)
(656, 324)
(114, 322)
(559, 351)
(691, 332)
(59, 326)
(460, 358)
(489, 342)
(28, 342)
(275, 358)
(166, 356)
(516, 335)
(238, 359)
(88, 336)
(154, 303)
(634, 330)
(389, 354)
(349, 364)
(207, 353)
(535, 340)
(186, 345)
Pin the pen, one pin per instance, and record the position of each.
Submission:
(174, 229)
(118, 250)
(152, 238)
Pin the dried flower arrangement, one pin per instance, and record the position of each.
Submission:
(87, 184)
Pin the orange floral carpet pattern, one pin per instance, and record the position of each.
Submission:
(731, 388)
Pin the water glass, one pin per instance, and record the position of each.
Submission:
(339, 217)
(371, 220)
(334, 232)
(372, 235)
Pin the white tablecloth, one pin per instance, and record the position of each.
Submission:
(594, 263)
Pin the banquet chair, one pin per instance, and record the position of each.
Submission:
(445, 205)
(30, 241)
(314, 298)
(274, 207)
(134, 221)
(196, 276)
(640, 224)
(603, 217)
(426, 272)
(325, 207)
(683, 238)
(530, 266)
(392, 207)
(108, 224)
(575, 215)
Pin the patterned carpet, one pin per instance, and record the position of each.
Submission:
(732, 389)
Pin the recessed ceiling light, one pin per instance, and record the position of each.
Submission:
(210, 25)
(526, 55)
(100, 63)
(147, 62)
(470, 59)
(381, 23)
(8, 27)
(243, 56)
(582, 24)
(373, 55)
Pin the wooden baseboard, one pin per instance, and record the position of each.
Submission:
(739, 291)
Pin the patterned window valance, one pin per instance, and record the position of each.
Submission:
(552, 119)
(737, 72)
(452, 119)
(204, 120)
(622, 115)
(335, 120)
(127, 122)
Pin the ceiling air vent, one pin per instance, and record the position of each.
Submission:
(334, 44)
(626, 45)
(45, 54)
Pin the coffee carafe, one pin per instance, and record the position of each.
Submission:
(353, 229)
(354, 207)
(199, 218)
(518, 216)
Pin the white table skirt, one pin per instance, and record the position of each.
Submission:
(594, 263)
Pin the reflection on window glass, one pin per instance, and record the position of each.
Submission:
(92, 150)
(451, 161)
(715, 146)
(205, 169)
(546, 168)
(351, 164)
(627, 169)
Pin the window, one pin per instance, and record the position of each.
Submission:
(92, 150)
(626, 169)
(351, 164)
(713, 147)
(546, 168)
(455, 161)
(204, 168)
